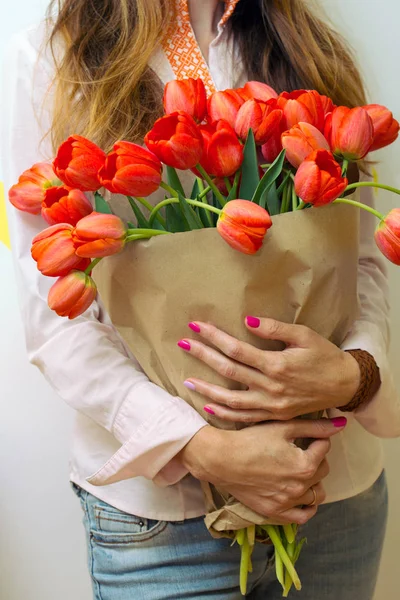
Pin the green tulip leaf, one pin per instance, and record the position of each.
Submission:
(193, 220)
(141, 220)
(176, 222)
(195, 189)
(271, 199)
(157, 225)
(101, 206)
(174, 181)
(250, 174)
(269, 177)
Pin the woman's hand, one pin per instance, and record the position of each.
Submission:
(262, 467)
(310, 374)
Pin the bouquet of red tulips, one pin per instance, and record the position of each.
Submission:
(249, 156)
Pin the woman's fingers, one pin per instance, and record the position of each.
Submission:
(221, 364)
(300, 516)
(310, 498)
(230, 346)
(231, 405)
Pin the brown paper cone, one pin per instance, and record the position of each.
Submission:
(305, 273)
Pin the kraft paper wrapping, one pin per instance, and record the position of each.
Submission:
(305, 273)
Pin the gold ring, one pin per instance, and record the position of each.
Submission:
(314, 502)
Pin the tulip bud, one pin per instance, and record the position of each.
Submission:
(243, 225)
(28, 194)
(302, 106)
(255, 90)
(387, 236)
(131, 170)
(386, 128)
(301, 140)
(264, 119)
(350, 132)
(187, 95)
(99, 235)
(71, 295)
(61, 205)
(54, 251)
(224, 105)
(273, 147)
(319, 180)
(176, 141)
(78, 162)
(223, 153)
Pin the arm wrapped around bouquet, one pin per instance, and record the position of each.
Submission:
(270, 228)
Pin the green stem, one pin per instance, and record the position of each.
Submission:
(295, 200)
(275, 539)
(360, 205)
(289, 533)
(345, 166)
(244, 565)
(301, 205)
(92, 265)
(204, 192)
(381, 186)
(286, 198)
(169, 189)
(228, 184)
(150, 232)
(146, 205)
(212, 185)
(290, 548)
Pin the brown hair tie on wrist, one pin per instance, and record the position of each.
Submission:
(370, 380)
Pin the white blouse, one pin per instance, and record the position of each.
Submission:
(128, 430)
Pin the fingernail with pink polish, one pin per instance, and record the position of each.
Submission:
(189, 385)
(339, 422)
(209, 410)
(253, 322)
(194, 327)
(184, 345)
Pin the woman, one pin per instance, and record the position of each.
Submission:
(145, 532)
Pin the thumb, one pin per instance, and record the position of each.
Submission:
(315, 428)
(270, 329)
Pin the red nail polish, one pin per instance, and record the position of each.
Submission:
(339, 422)
(184, 345)
(209, 410)
(194, 327)
(253, 322)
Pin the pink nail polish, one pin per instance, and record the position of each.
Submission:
(209, 410)
(253, 322)
(194, 327)
(339, 422)
(184, 345)
(189, 385)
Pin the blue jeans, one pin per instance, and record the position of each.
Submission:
(133, 558)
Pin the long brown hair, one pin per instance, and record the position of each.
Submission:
(105, 90)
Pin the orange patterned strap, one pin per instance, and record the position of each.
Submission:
(181, 47)
(370, 380)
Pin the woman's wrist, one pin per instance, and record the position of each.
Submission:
(199, 454)
(369, 379)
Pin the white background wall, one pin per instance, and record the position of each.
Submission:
(42, 552)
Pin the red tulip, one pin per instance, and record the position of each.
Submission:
(223, 153)
(71, 295)
(54, 251)
(319, 180)
(386, 128)
(187, 95)
(387, 236)
(78, 162)
(273, 147)
(300, 141)
(224, 105)
(255, 90)
(28, 194)
(350, 132)
(131, 170)
(243, 225)
(327, 105)
(261, 117)
(302, 106)
(176, 141)
(99, 235)
(61, 205)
